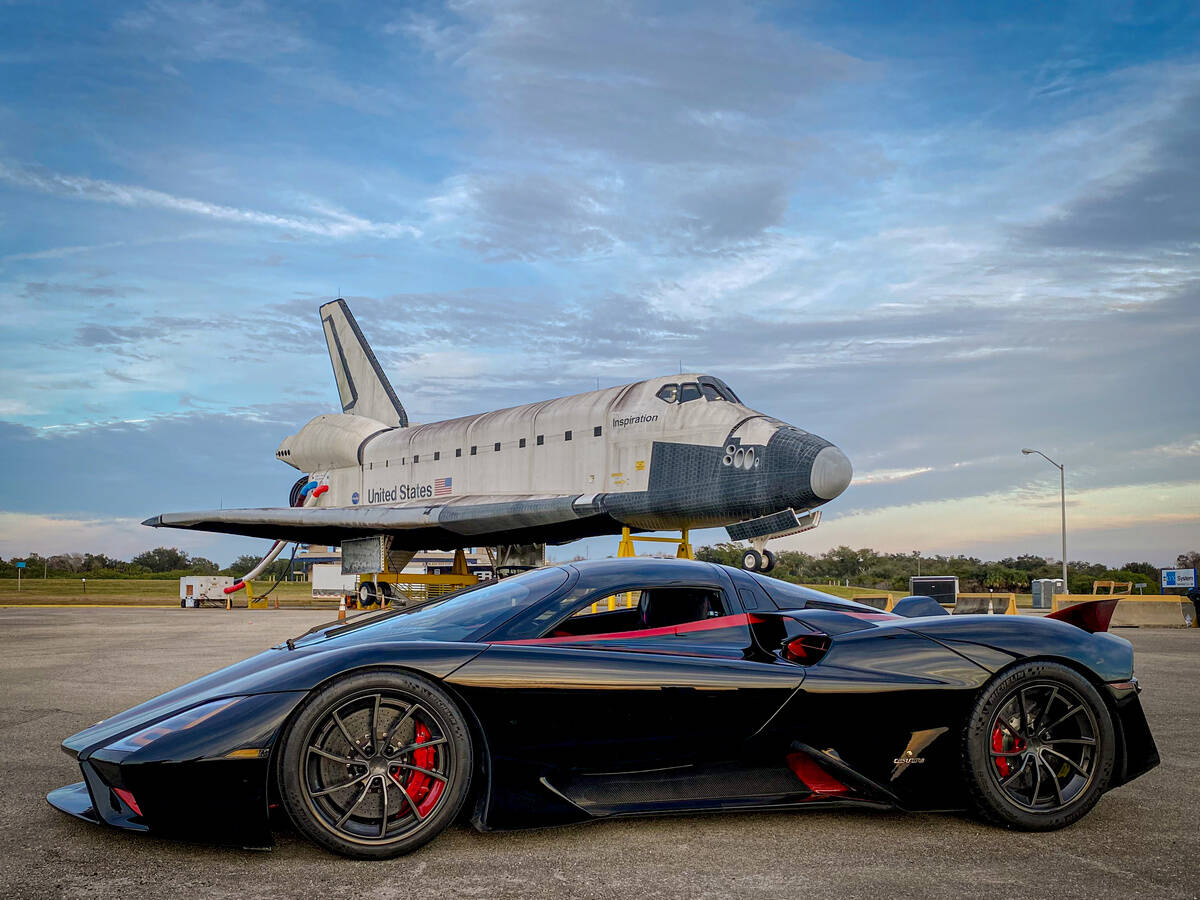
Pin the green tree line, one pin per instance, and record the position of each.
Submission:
(864, 568)
(161, 562)
(890, 571)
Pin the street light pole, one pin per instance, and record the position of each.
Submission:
(1062, 492)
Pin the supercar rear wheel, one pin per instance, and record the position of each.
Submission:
(375, 764)
(1039, 747)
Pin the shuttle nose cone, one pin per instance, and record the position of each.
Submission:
(831, 472)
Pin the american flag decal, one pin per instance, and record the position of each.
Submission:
(441, 486)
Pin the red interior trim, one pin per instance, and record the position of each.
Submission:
(714, 624)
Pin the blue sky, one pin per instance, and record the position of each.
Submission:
(932, 233)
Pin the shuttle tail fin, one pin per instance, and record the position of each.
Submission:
(363, 388)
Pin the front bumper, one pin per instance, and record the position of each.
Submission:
(210, 782)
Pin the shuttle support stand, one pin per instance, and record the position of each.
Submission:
(626, 547)
(419, 587)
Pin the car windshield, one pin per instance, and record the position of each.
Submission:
(463, 614)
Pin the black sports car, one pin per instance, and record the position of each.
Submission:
(626, 687)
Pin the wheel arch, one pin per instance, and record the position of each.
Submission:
(482, 768)
(1093, 678)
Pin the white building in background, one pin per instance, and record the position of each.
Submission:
(427, 562)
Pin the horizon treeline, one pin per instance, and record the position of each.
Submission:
(862, 568)
(161, 562)
(890, 571)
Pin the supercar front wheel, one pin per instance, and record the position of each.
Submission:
(1040, 748)
(375, 764)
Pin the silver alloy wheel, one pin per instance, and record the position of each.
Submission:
(1044, 741)
(376, 767)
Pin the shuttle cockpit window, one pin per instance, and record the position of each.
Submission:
(668, 393)
(689, 391)
(716, 389)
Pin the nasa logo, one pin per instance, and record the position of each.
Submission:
(354, 498)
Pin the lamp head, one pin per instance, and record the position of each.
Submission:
(1026, 451)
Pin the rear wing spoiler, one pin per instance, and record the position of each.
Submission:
(1091, 616)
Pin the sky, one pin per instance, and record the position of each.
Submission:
(932, 233)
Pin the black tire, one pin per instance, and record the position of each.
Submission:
(375, 801)
(367, 595)
(751, 560)
(768, 562)
(1039, 748)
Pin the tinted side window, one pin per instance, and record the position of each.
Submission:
(750, 591)
(668, 393)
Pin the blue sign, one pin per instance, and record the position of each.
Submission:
(354, 498)
(1178, 578)
(20, 565)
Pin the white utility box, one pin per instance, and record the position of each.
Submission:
(195, 589)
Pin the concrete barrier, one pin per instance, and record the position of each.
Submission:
(1140, 611)
(971, 605)
(975, 604)
(879, 601)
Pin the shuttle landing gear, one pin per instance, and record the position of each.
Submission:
(758, 559)
(366, 595)
(759, 531)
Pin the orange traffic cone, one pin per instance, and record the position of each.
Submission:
(342, 609)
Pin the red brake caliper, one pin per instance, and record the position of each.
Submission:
(424, 790)
(999, 740)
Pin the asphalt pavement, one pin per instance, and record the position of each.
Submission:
(63, 669)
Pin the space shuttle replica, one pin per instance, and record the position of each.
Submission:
(670, 453)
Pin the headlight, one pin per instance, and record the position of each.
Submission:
(178, 722)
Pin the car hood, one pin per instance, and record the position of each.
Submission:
(278, 670)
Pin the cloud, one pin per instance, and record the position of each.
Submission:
(930, 277)
(205, 30)
(38, 289)
(1152, 205)
(1168, 511)
(882, 475)
(1178, 448)
(327, 222)
(609, 127)
(93, 335)
(123, 377)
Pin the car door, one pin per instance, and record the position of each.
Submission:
(667, 694)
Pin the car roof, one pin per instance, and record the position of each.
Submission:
(648, 566)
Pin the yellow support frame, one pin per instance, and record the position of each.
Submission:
(460, 577)
(626, 548)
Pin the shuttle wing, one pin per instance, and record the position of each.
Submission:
(480, 518)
